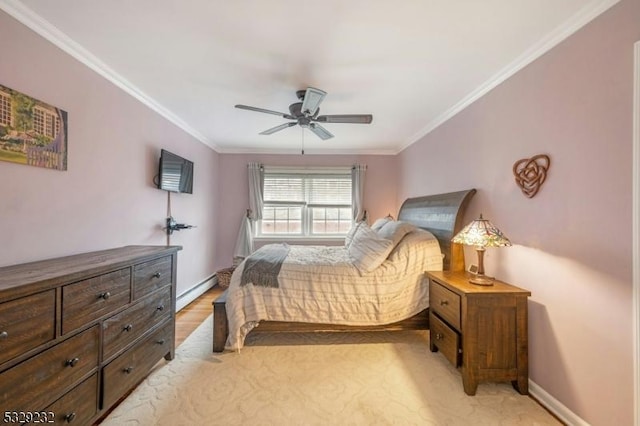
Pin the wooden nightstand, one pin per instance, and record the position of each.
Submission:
(482, 329)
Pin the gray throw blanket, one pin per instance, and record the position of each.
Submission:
(263, 266)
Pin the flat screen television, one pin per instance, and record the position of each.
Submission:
(176, 173)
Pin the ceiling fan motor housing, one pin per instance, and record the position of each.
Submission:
(296, 109)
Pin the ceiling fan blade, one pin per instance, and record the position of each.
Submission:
(278, 128)
(267, 111)
(320, 131)
(312, 99)
(345, 118)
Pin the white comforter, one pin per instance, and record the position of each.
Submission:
(319, 284)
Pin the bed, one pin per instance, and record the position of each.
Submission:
(297, 290)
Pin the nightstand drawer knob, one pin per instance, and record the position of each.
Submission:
(157, 275)
(444, 302)
(439, 336)
(127, 327)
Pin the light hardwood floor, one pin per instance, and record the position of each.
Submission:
(192, 315)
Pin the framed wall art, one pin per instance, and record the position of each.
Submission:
(32, 132)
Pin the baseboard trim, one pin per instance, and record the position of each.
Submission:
(196, 291)
(554, 406)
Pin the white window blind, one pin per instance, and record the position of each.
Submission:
(306, 202)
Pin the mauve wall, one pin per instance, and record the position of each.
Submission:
(106, 198)
(380, 188)
(572, 242)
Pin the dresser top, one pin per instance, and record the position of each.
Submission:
(39, 275)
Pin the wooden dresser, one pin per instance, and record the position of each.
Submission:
(482, 329)
(78, 332)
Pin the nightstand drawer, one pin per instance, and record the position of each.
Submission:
(445, 303)
(445, 339)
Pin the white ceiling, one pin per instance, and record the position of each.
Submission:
(410, 63)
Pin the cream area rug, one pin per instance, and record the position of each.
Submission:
(378, 378)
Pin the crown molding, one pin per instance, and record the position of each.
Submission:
(44, 28)
(577, 21)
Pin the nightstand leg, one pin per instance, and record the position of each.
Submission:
(470, 386)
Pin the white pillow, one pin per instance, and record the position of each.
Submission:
(395, 231)
(380, 223)
(367, 250)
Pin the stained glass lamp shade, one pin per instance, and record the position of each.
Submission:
(481, 233)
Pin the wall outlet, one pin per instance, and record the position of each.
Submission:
(473, 268)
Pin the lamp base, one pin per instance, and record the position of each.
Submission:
(481, 280)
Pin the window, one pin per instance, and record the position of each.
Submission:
(308, 203)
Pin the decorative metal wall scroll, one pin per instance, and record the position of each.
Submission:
(531, 173)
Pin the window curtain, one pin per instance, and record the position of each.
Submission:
(357, 191)
(256, 183)
(244, 242)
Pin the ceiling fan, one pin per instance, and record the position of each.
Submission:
(305, 114)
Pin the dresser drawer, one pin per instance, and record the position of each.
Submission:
(88, 300)
(132, 366)
(26, 323)
(78, 406)
(445, 303)
(150, 276)
(123, 328)
(445, 339)
(35, 383)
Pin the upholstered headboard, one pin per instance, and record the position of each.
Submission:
(442, 215)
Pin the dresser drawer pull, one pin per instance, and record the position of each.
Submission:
(160, 308)
(104, 296)
(4, 335)
(160, 342)
(157, 275)
(72, 362)
(444, 302)
(439, 336)
(127, 327)
(69, 417)
(127, 370)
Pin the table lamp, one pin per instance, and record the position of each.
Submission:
(481, 233)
